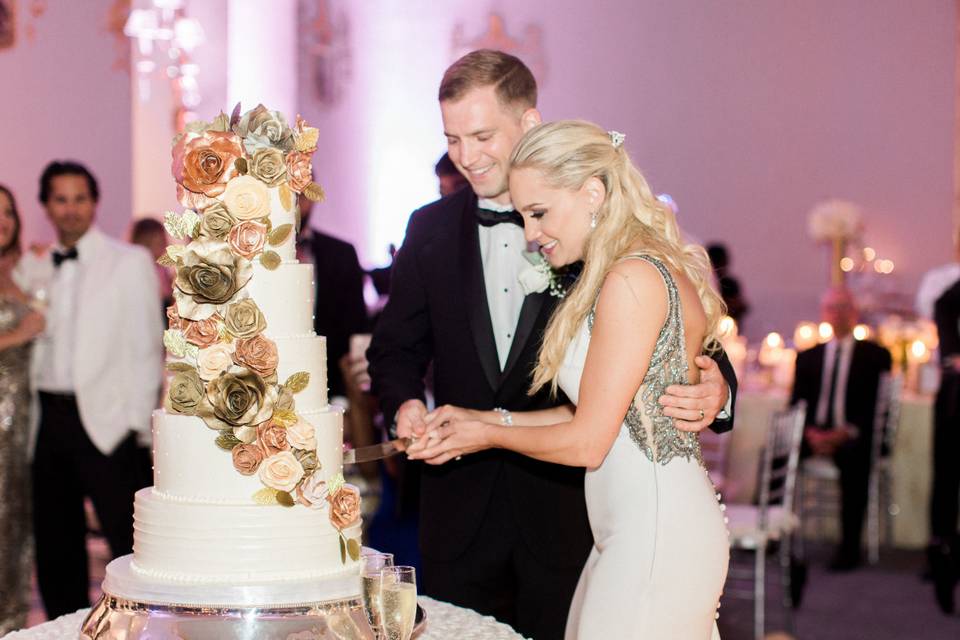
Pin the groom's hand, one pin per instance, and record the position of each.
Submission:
(410, 419)
(694, 407)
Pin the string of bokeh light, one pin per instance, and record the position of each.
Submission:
(867, 257)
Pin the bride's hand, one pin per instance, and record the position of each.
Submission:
(450, 413)
(451, 441)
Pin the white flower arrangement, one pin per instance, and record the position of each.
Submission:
(540, 276)
(834, 220)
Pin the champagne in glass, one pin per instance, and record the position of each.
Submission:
(370, 566)
(398, 602)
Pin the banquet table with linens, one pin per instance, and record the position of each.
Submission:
(444, 621)
(912, 457)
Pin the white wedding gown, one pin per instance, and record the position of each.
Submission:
(661, 546)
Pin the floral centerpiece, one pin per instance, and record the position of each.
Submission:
(835, 222)
(224, 369)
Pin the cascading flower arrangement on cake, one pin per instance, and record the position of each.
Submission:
(224, 368)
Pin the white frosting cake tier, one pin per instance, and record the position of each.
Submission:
(191, 542)
(188, 466)
(306, 353)
(280, 216)
(285, 296)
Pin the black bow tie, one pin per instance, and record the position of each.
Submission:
(60, 256)
(490, 218)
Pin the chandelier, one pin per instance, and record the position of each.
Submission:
(165, 39)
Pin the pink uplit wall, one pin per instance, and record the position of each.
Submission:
(62, 98)
(748, 112)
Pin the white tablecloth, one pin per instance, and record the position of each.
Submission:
(444, 622)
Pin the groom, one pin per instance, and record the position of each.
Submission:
(500, 533)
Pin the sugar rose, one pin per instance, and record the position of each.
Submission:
(261, 128)
(312, 492)
(237, 399)
(268, 166)
(281, 471)
(210, 276)
(247, 238)
(246, 198)
(213, 360)
(272, 438)
(202, 333)
(302, 435)
(258, 354)
(247, 458)
(299, 170)
(244, 319)
(185, 393)
(204, 162)
(216, 222)
(344, 506)
(173, 318)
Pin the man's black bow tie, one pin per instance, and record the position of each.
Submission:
(489, 218)
(60, 256)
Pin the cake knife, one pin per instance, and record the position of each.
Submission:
(376, 451)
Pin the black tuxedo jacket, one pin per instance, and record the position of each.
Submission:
(338, 307)
(867, 362)
(438, 312)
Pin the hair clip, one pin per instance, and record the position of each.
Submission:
(616, 138)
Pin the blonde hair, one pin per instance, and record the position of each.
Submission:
(569, 152)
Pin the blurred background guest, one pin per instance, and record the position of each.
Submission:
(18, 326)
(944, 549)
(730, 289)
(839, 381)
(450, 179)
(97, 370)
(339, 310)
(150, 234)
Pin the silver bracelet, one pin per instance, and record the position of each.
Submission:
(506, 418)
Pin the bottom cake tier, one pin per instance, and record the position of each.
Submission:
(186, 542)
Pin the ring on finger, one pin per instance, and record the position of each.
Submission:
(701, 414)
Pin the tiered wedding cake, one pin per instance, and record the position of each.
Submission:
(249, 505)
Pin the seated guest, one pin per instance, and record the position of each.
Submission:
(18, 326)
(96, 369)
(450, 179)
(839, 382)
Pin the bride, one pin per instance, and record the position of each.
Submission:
(640, 312)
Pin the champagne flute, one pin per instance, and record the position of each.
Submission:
(398, 602)
(371, 564)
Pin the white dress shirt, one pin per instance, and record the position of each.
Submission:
(839, 400)
(932, 286)
(501, 251)
(55, 345)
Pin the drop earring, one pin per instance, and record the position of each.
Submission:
(593, 220)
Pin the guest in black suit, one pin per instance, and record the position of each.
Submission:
(839, 381)
(945, 495)
(339, 310)
(500, 533)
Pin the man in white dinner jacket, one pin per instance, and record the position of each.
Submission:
(96, 372)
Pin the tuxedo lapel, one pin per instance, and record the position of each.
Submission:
(475, 294)
(532, 306)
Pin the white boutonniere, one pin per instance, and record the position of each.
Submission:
(540, 276)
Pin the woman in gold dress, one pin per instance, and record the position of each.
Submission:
(18, 326)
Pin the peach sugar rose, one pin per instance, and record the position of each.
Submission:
(247, 238)
(344, 506)
(281, 471)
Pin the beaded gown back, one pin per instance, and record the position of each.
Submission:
(15, 549)
(660, 542)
